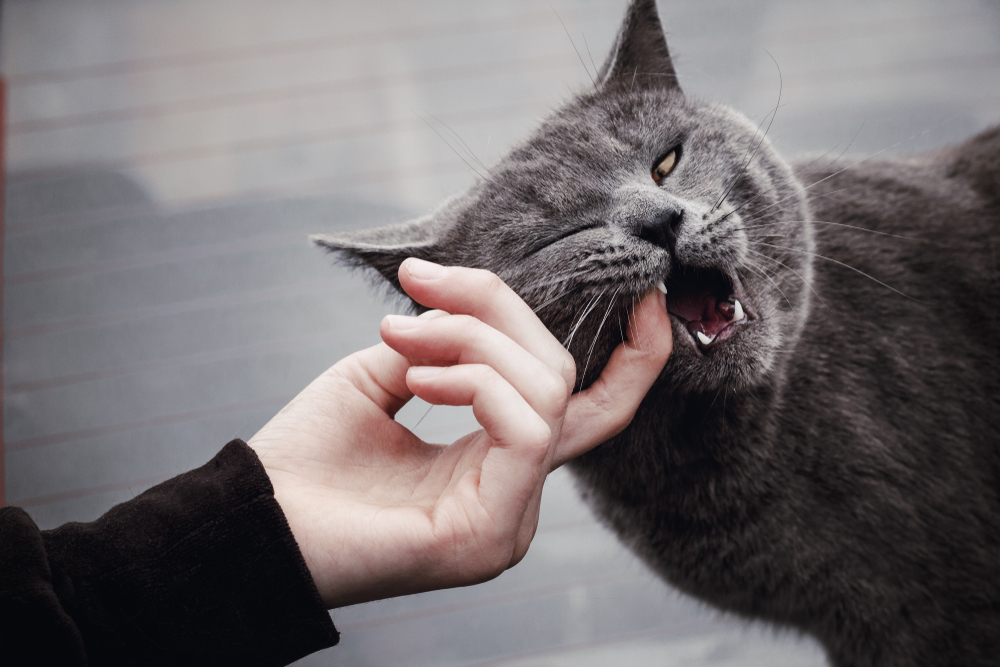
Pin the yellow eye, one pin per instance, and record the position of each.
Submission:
(666, 165)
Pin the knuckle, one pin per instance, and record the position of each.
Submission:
(556, 393)
(619, 422)
(468, 331)
(568, 370)
(491, 376)
(466, 324)
(490, 283)
(616, 415)
(537, 438)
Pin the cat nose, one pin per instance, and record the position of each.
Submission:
(662, 230)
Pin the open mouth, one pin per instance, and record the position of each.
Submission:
(708, 302)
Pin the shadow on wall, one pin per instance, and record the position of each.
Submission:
(138, 341)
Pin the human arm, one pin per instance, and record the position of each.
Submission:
(204, 568)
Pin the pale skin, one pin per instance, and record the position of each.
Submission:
(376, 511)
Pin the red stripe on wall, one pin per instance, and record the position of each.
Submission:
(3, 169)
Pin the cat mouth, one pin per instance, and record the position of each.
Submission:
(709, 303)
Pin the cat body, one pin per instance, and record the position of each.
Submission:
(856, 496)
(821, 450)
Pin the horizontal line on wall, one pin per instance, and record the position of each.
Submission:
(234, 298)
(516, 66)
(670, 630)
(154, 258)
(265, 50)
(160, 420)
(207, 357)
(487, 601)
(311, 137)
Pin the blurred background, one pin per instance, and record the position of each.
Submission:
(166, 159)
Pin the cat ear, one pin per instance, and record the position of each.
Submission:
(639, 58)
(385, 248)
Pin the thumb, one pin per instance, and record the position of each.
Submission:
(607, 406)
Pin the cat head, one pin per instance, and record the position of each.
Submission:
(632, 184)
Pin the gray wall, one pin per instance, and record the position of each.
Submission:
(167, 158)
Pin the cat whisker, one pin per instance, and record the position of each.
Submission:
(744, 162)
(851, 142)
(571, 41)
(530, 289)
(586, 311)
(710, 405)
(597, 335)
(551, 300)
(757, 269)
(635, 329)
(781, 85)
(838, 224)
(794, 204)
(454, 150)
(804, 281)
(554, 281)
(846, 266)
(628, 357)
(461, 141)
(840, 171)
(814, 161)
(729, 233)
(589, 54)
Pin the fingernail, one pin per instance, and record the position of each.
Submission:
(423, 270)
(403, 322)
(425, 372)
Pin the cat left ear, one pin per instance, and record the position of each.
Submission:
(639, 58)
(385, 248)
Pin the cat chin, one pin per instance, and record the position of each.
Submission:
(743, 360)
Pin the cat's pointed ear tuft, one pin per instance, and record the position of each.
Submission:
(385, 248)
(639, 58)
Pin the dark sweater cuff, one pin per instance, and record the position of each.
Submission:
(202, 569)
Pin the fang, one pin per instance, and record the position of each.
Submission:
(738, 314)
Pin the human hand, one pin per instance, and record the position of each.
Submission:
(376, 511)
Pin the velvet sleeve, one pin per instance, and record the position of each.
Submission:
(199, 570)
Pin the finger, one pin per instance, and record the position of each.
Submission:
(516, 464)
(484, 296)
(607, 406)
(463, 339)
(499, 408)
(378, 372)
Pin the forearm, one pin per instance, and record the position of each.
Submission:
(201, 569)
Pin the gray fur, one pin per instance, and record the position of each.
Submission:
(832, 467)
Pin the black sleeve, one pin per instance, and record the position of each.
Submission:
(202, 569)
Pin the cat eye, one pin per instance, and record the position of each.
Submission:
(666, 165)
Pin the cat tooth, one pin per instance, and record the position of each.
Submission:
(660, 286)
(703, 339)
(738, 314)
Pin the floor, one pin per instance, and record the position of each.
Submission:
(167, 158)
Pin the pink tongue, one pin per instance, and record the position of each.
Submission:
(699, 310)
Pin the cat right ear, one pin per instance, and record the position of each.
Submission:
(640, 58)
(385, 248)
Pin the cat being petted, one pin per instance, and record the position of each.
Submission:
(821, 450)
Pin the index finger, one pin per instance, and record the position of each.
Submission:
(483, 295)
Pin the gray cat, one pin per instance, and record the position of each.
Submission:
(821, 450)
